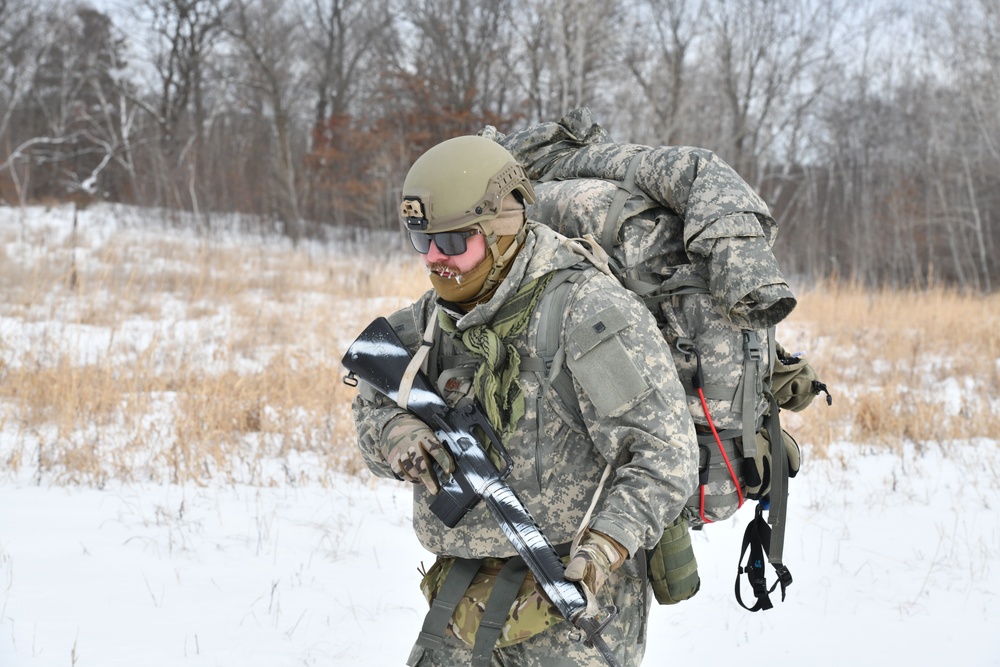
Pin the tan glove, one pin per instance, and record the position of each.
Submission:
(596, 558)
(410, 448)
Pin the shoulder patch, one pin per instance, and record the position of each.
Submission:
(601, 365)
(594, 330)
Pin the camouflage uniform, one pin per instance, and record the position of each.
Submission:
(629, 410)
(697, 211)
(558, 646)
(691, 235)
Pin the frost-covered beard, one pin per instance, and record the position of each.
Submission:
(445, 272)
(458, 287)
(467, 288)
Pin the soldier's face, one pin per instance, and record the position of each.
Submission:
(454, 266)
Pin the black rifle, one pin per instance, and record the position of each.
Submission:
(380, 359)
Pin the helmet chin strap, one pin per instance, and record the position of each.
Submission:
(500, 261)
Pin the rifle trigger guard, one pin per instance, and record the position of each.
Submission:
(611, 612)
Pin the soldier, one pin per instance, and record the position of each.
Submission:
(604, 397)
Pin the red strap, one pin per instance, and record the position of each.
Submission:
(722, 450)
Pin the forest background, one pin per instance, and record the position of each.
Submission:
(191, 192)
(872, 128)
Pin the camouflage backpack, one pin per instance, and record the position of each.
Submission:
(681, 229)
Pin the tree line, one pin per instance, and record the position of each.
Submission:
(871, 127)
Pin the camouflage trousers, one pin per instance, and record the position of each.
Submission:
(560, 646)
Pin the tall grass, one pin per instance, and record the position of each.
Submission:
(161, 355)
(903, 366)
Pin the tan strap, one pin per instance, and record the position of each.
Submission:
(418, 362)
(590, 511)
(596, 254)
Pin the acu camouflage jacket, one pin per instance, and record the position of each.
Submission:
(630, 410)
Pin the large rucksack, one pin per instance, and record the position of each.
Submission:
(682, 230)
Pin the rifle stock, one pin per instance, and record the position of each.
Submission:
(380, 359)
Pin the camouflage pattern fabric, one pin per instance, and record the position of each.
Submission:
(594, 560)
(496, 380)
(696, 240)
(409, 445)
(703, 212)
(763, 460)
(530, 613)
(560, 646)
(631, 411)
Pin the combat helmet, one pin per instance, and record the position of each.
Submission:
(465, 182)
(459, 183)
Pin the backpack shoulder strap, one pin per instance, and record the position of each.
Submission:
(457, 581)
(550, 355)
(613, 220)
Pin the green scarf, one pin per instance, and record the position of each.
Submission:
(496, 380)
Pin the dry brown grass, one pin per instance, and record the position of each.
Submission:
(904, 366)
(140, 356)
(166, 358)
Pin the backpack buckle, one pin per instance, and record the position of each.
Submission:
(751, 346)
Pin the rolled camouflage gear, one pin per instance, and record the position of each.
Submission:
(699, 209)
(596, 558)
(410, 447)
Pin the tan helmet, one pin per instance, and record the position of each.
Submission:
(459, 183)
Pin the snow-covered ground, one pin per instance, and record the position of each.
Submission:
(895, 559)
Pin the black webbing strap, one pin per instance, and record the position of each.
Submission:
(505, 590)
(757, 540)
(642, 564)
(463, 570)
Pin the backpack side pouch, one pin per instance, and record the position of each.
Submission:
(794, 382)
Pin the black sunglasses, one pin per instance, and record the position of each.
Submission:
(449, 243)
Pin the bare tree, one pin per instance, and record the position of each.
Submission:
(342, 36)
(20, 43)
(460, 51)
(183, 36)
(72, 123)
(965, 35)
(268, 35)
(660, 66)
(568, 49)
(771, 61)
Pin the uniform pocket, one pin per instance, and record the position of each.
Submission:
(601, 364)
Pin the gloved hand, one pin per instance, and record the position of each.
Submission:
(409, 447)
(597, 557)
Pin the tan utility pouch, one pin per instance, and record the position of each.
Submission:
(763, 461)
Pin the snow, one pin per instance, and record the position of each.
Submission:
(895, 557)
